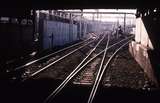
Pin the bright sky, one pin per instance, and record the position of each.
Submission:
(108, 17)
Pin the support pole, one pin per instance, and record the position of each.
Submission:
(70, 28)
(81, 24)
(124, 23)
(117, 34)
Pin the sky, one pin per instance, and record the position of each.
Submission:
(109, 17)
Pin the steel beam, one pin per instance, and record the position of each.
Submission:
(79, 12)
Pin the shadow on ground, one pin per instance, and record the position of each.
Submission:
(35, 91)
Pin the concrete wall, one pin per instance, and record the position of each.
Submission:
(141, 35)
(141, 55)
(146, 46)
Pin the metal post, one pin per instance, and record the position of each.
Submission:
(92, 22)
(93, 17)
(81, 23)
(70, 27)
(36, 30)
(124, 22)
(117, 29)
(97, 22)
(52, 37)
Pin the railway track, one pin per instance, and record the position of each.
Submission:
(91, 66)
(88, 59)
(101, 74)
(37, 63)
(92, 50)
(36, 66)
(71, 52)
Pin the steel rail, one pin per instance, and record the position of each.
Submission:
(47, 66)
(44, 57)
(100, 74)
(79, 65)
(76, 70)
(99, 71)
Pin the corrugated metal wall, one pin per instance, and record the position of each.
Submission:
(56, 33)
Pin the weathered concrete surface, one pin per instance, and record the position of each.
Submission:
(141, 55)
(142, 35)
